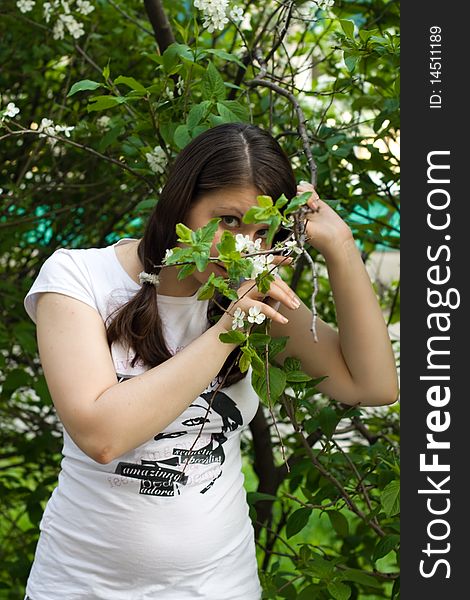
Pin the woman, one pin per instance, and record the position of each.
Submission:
(145, 506)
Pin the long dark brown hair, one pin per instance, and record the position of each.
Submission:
(228, 155)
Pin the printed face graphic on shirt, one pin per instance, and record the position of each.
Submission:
(166, 476)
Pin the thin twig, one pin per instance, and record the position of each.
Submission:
(129, 18)
(268, 394)
(300, 117)
(88, 149)
(349, 501)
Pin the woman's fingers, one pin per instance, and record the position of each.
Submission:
(314, 200)
(272, 313)
(279, 290)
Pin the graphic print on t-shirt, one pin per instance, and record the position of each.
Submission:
(164, 477)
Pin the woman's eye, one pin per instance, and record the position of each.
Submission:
(232, 222)
(235, 220)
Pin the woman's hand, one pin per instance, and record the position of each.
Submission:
(325, 229)
(249, 296)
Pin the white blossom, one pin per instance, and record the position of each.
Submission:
(11, 110)
(61, 12)
(58, 30)
(236, 14)
(168, 253)
(292, 245)
(156, 159)
(180, 85)
(260, 264)
(325, 4)
(47, 11)
(241, 242)
(215, 13)
(65, 129)
(169, 93)
(46, 126)
(84, 7)
(255, 315)
(103, 122)
(25, 6)
(75, 28)
(56, 149)
(238, 319)
(244, 244)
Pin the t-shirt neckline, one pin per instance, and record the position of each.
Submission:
(160, 297)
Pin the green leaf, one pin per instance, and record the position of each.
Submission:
(339, 591)
(281, 201)
(277, 345)
(277, 383)
(351, 59)
(146, 205)
(14, 379)
(292, 364)
(196, 113)
(253, 497)
(130, 82)
(297, 521)
(390, 498)
(297, 202)
(348, 28)
(232, 337)
(205, 234)
(110, 137)
(106, 71)
(385, 545)
(225, 56)
(184, 233)
(227, 115)
(81, 86)
(98, 103)
(186, 270)
(213, 84)
(257, 364)
(263, 281)
(265, 201)
(226, 246)
(328, 420)
(201, 259)
(239, 111)
(319, 567)
(297, 377)
(173, 56)
(259, 339)
(245, 359)
(360, 577)
(339, 522)
(208, 289)
(182, 136)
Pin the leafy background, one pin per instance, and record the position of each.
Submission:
(327, 526)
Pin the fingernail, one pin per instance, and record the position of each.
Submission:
(296, 303)
(284, 320)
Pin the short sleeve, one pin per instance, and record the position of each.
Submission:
(63, 272)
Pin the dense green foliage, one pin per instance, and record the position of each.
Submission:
(327, 526)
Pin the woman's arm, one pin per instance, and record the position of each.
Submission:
(106, 418)
(358, 359)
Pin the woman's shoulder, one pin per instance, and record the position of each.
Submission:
(87, 274)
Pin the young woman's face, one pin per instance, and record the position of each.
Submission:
(229, 205)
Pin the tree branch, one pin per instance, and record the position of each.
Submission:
(161, 26)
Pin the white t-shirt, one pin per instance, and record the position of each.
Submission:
(137, 528)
